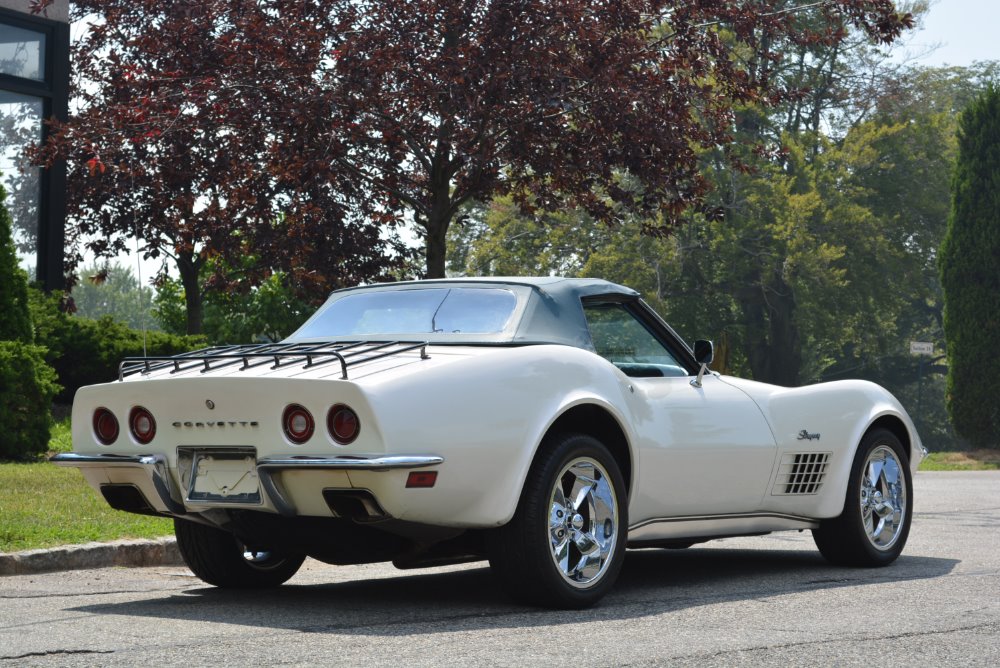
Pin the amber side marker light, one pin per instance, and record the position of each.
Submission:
(421, 478)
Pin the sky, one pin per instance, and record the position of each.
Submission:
(962, 30)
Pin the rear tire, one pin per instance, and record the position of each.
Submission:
(872, 529)
(220, 559)
(565, 545)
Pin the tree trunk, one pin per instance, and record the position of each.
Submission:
(437, 247)
(189, 267)
(773, 348)
(786, 351)
(439, 219)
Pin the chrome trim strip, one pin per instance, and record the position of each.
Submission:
(715, 526)
(346, 462)
(155, 467)
(731, 516)
(75, 459)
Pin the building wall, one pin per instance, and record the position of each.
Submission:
(57, 11)
(34, 85)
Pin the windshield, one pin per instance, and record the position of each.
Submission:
(420, 311)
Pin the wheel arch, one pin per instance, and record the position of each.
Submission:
(894, 424)
(596, 421)
(832, 505)
(845, 539)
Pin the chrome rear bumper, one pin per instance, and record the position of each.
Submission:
(170, 495)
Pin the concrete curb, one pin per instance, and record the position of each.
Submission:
(158, 552)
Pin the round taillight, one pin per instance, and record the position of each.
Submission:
(298, 423)
(105, 426)
(142, 425)
(343, 424)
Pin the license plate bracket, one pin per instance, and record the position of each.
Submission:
(219, 475)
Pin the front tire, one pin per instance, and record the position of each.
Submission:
(872, 529)
(565, 545)
(219, 558)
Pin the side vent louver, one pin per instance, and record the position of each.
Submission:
(801, 473)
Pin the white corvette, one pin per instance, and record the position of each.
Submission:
(544, 424)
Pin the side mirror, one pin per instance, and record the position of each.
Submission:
(704, 351)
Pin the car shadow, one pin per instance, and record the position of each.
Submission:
(652, 582)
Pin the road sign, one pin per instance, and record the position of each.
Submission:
(921, 348)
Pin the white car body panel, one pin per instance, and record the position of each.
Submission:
(840, 413)
(705, 450)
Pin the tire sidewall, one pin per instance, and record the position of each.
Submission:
(570, 449)
(216, 557)
(852, 505)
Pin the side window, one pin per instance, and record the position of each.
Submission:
(625, 342)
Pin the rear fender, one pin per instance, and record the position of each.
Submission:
(489, 437)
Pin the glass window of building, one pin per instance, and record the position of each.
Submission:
(22, 52)
(34, 86)
(21, 126)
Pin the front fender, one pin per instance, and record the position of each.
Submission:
(840, 414)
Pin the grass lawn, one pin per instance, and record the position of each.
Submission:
(977, 460)
(43, 505)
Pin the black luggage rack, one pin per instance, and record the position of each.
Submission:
(348, 353)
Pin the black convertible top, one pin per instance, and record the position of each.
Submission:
(548, 309)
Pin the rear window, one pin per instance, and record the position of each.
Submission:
(420, 311)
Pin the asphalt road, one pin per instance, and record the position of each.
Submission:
(750, 601)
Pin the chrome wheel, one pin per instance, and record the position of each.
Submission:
(882, 497)
(878, 506)
(583, 522)
(565, 545)
(261, 558)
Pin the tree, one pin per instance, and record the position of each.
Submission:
(970, 255)
(850, 223)
(598, 106)
(498, 240)
(197, 133)
(15, 323)
(269, 311)
(829, 229)
(113, 290)
(302, 127)
(27, 383)
(20, 124)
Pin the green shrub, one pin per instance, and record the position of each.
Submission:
(26, 400)
(85, 351)
(27, 383)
